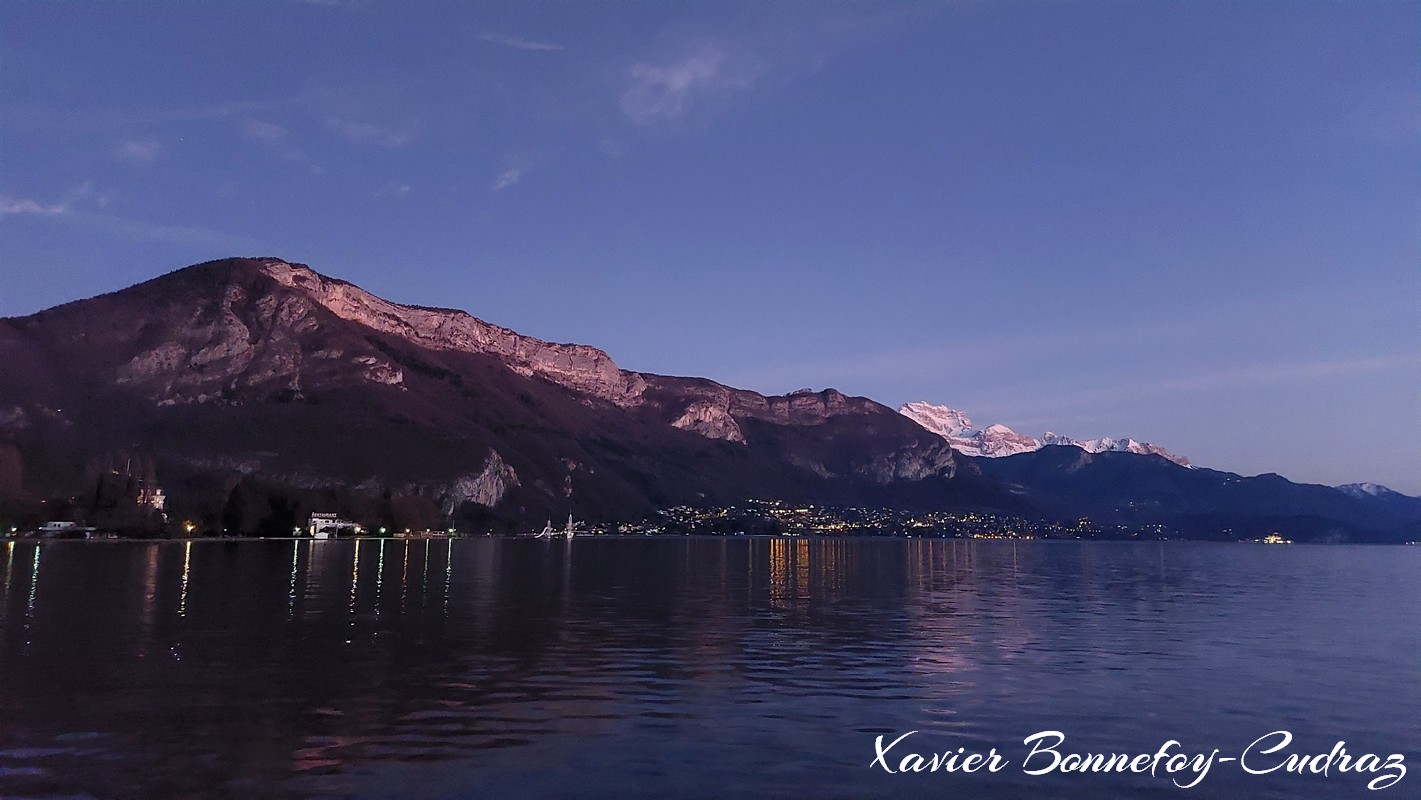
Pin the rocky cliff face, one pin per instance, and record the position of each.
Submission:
(744, 417)
(258, 332)
(578, 367)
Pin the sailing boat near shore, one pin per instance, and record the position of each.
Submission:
(548, 533)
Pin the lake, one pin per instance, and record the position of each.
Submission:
(695, 667)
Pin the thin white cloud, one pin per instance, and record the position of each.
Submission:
(1230, 379)
(138, 152)
(369, 133)
(86, 195)
(46, 118)
(230, 108)
(611, 148)
(24, 205)
(519, 43)
(665, 93)
(928, 362)
(520, 164)
(507, 179)
(769, 47)
(277, 139)
(172, 234)
(1241, 377)
(83, 195)
(74, 209)
(268, 133)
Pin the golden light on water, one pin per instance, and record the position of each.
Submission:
(291, 593)
(448, 572)
(34, 586)
(379, 576)
(187, 571)
(354, 576)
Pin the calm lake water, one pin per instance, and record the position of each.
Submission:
(691, 668)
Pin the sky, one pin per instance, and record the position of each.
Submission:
(1193, 223)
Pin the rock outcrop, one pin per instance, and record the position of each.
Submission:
(486, 487)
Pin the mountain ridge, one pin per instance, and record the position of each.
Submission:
(267, 370)
(258, 390)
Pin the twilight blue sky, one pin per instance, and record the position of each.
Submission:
(1194, 223)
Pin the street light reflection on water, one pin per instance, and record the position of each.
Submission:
(34, 594)
(187, 572)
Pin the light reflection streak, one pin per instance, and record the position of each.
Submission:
(34, 592)
(379, 576)
(448, 573)
(34, 579)
(566, 576)
(424, 578)
(779, 572)
(354, 584)
(187, 571)
(801, 571)
(291, 592)
(313, 570)
(405, 577)
(1015, 572)
(9, 563)
(150, 592)
(724, 566)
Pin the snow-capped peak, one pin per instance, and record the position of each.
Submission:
(999, 440)
(956, 428)
(943, 421)
(1366, 489)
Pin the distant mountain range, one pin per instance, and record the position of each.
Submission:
(996, 441)
(258, 390)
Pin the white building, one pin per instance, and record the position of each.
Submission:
(329, 526)
(64, 529)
